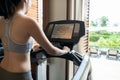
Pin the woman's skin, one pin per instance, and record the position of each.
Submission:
(20, 31)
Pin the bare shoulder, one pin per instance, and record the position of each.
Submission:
(29, 21)
(31, 26)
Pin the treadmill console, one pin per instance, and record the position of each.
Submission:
(65, 31)
(69, 32)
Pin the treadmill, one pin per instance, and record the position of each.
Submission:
(68, 33)
(63, 33)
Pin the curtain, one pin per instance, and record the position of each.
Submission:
(84, 41)
(85, 18)
(33, 12)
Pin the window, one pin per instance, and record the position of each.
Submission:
(104, 22)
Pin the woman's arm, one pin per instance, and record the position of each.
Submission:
(37, 33)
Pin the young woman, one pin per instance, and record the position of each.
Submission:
(17, 32)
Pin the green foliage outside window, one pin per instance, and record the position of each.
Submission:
(104, 39)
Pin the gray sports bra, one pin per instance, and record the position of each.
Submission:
(12, 45)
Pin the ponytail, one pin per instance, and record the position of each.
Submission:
(8, 7)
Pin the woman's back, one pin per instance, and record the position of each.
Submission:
(18, 33)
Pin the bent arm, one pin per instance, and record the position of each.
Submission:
(37, 33)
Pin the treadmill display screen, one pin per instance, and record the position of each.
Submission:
(62, 31)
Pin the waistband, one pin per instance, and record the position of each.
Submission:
(6, 75)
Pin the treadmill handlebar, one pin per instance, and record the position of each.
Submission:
(72, 56)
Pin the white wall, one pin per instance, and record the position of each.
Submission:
(57, 10)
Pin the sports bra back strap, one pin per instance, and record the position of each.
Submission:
(7, 25)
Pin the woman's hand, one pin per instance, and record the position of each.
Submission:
(67, 49)
(36, 48)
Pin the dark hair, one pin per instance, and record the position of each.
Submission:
(8, 7)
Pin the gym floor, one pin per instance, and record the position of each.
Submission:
(105, 69)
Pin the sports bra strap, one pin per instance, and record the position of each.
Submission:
(13, 45)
